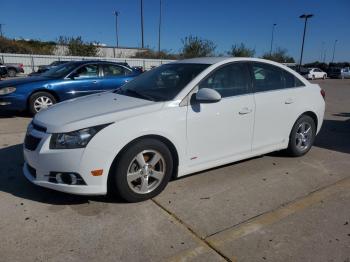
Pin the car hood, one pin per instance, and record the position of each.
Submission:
(21, 81)
(92, 110)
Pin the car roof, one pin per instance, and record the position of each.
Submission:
(82, 62)
(216, 60)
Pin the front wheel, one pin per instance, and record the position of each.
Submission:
(142, 171)
(302, 136)
(39, 101)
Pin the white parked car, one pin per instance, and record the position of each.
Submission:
(171, 121)
(316, 73)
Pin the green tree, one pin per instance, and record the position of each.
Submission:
(151, 54)
(26, 46)
(77, 47)
(194, 46)
(279, 55)
(241, 51)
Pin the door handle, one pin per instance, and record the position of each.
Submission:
(289, 101)
(245, 111)
(94, 82)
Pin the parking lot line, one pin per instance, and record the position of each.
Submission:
(257, 223)
(203, 246)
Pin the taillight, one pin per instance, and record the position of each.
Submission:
(21, 65)
(323, 93)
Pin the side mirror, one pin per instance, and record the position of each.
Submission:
(207, 95)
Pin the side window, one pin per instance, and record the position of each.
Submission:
(230, 80)
(88, 71)
(291, 80)
(113, 70)
(267, 77)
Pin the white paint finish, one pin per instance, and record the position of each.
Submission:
(219, 130)
(216, 134)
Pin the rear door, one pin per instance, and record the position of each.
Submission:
(114, 76)
(277, 96)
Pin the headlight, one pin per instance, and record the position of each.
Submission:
(7, 90)
(75, 139)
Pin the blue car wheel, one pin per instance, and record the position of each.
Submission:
(39, 101)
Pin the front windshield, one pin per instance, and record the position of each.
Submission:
(162, 83)
(60, 71)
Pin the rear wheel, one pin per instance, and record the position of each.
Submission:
(324, 77)
(313, 77)
(142, 171)
(11, 72)
(39, 101)
(302, 136)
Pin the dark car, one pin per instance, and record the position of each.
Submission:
(67, 81)
(44, 68)
(13, 69)
(3, 71)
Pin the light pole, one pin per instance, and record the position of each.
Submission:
(142, 42)
(335, 42)
(322, 49)
(306, 17)
(273, 30)
(116, 27)
(160, 23)
(1, 34)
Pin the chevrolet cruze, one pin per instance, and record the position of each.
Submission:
(174, 120)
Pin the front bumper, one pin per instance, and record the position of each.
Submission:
(13, 102)
(81, 161)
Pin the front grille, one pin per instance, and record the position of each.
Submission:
(31, 142)
(31, 170)
(39, 128)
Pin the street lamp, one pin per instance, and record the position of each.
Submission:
(160, 23)
(273, 30)
(142, 42)
(306, 17)
(116, 27)
(335, 42)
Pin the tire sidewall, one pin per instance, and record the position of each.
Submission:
(293, 150)
(11, 72)
(119, 172)
(34, 96)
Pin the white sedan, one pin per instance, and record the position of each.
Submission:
(316, 73)
(172, 121)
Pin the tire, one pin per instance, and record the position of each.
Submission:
(143, 183)
(324, 77)
(11, 72)
(313, 77)
(46, 99)
(297, 146)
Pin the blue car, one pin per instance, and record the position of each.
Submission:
(67, 81)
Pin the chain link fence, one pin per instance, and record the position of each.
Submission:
(32, 62)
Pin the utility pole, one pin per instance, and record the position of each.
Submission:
(1, 33)
(322, 51)
(116, 27)
(306, 17)
(160, 23)
(335, 42)
(273, 30)
(142, 41)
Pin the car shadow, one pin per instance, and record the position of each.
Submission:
(335, 134)
(13, 182)
(11, 114)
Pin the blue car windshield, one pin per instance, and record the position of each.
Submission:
(60, 71)
(162, 83)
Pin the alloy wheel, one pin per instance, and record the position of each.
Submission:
(42, 102)
(303, 136)
(146, 171)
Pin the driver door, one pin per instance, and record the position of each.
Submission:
(224, 129)
(83, 81)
